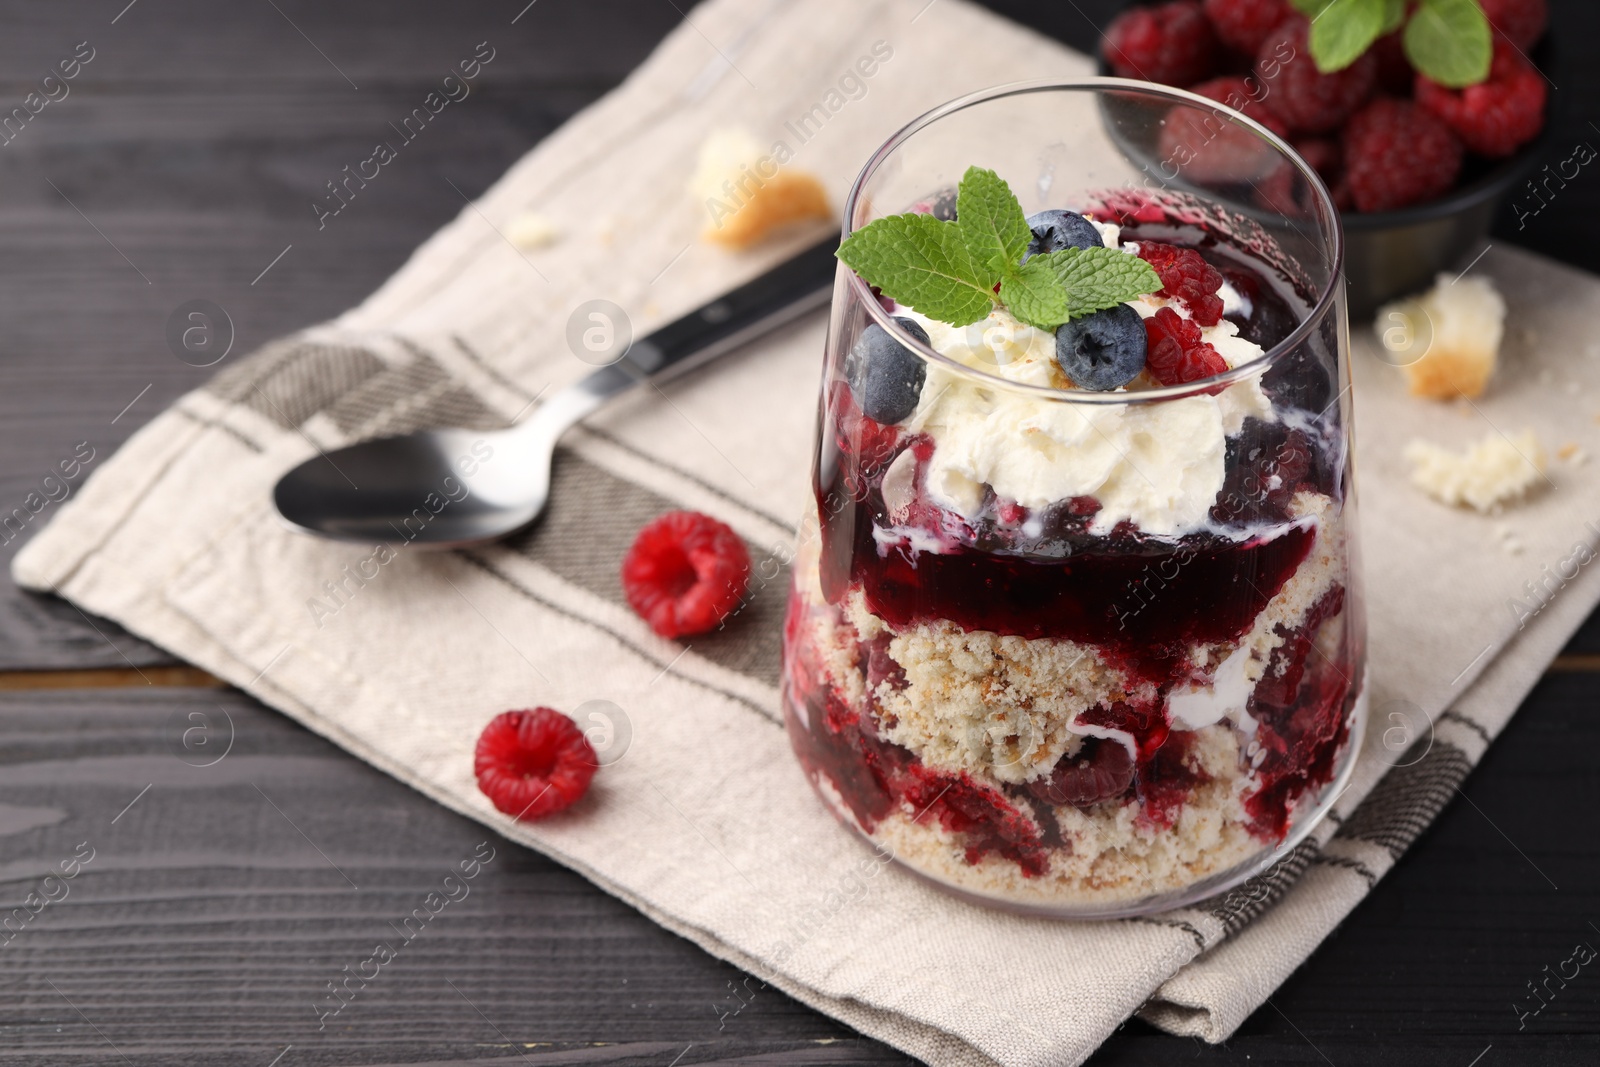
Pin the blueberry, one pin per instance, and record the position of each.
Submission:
(1055, 230)
(885, 376)
(1104, 350)
(944, 206)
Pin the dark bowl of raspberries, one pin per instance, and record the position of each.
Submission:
(1420, 115)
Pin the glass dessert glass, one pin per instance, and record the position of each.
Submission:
(1081, 653)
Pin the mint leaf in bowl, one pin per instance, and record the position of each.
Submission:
(949, 271)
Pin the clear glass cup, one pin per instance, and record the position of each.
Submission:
(1081, 653)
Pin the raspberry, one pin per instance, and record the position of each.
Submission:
(533, 763)
(1395, 73)
(1324, 155)
(1265, 468)
(1308, 100)
(1244, 24)
(1522, 21)
(1397, 154)
(990, 824)
(1495, 117)
(1186, 275)
(1242, 94)
(1214, 150)
(1101, 770)
(1170, 43)
(1147, 723)
(1176, 354)
(685, 573)
(1166, 779)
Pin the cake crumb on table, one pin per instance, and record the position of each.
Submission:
(1490, 474)
(1459, 324)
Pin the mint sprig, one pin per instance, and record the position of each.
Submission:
(1448, 40)
(949, 271)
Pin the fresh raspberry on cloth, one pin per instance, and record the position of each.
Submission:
(533, 763)
(1306, 99)
(1171, 43)
(1522, 21)
(685, 573)
(1176, 353)
(1186, 275)
(1244, 24)
(1397, 154)
(1496, 117)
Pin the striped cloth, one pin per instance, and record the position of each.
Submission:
(705, 822)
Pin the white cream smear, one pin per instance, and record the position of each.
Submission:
(1158, 464)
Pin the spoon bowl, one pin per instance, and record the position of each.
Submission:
(433, 488)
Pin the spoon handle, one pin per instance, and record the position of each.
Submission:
(784, 293)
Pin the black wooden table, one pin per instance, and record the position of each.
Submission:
(210, 906)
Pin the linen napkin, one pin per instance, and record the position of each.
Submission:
(701, 818)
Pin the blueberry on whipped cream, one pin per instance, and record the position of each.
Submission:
(1055, 230)
(885, 376)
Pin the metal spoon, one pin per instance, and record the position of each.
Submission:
(448, 488)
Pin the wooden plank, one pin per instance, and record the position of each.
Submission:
(196, 145)
(109, 678)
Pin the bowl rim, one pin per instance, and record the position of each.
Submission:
(1329, 302)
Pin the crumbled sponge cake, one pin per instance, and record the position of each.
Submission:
(1490, 474)
(748, 194)
(530, 231)
(1111, 854)
(994, 705)
(1460, 323)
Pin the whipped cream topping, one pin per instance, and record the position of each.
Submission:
(1157, 464)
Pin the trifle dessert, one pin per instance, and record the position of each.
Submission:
(1074, 627)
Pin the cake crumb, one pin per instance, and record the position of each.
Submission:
(748, 194)
(1490, 474)
(1460, 323)
(530, 231)
(1507, 537)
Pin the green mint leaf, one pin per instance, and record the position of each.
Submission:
(1394, 13)
(992, 223)
(1099, 278)
(1312, 8)
(1034, 294)
(923, 263)
(1344, 30)
(1450, 42)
